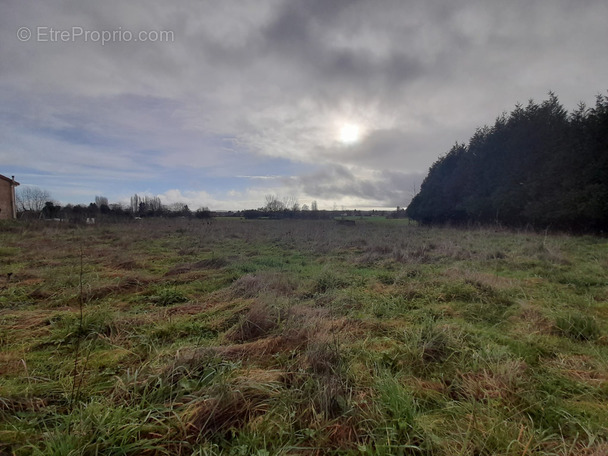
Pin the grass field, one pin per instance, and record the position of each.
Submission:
(301, 337)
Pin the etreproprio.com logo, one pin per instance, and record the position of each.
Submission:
(45, 34)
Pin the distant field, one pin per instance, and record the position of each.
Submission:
(301, 337)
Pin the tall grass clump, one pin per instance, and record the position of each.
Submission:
(258, 322)
(100, 427)
(577, 326)
(328, 280)
(168, 296)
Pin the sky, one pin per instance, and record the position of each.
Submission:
(220, 103)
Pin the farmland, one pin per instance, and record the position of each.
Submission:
(298, 337)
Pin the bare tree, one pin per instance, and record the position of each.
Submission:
(153, 203)
(135, 199)
(32, 199)
(273, 203)
(101, 201)
(276, 204)
(146, 205)
(291, 203)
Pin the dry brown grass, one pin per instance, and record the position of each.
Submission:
(211, 263)
(499, 382)
(234, 408)
(125, 285)
(581, 368)
(186, 309)
(260, 320)
(270, 282)
(11, 363)
(257, 350)
(530, 319)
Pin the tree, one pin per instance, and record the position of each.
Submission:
(32, 199)
(273, 203)
(147, 205)
(179, 210)
(50, 210)
(101, 201)
(536, 166)
(135, 204)
(203, 213)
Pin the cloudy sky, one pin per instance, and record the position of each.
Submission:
(219, 103)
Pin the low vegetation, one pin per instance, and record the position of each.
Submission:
(292, 337)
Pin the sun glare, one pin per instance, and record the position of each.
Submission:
(349, 133)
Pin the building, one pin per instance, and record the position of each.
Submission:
(8, 207)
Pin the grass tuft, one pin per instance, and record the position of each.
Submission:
(577, 326)
(260, 320)
(168, 296)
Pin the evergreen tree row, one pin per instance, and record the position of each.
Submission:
(538, 166)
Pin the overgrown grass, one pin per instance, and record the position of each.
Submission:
(301, 337)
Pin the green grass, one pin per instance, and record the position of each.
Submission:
(301, 337)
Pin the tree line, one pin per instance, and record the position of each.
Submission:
(538, 166)
(34, 203)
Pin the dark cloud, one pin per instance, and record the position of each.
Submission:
(313, 38)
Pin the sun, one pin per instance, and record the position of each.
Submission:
(350, 133)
